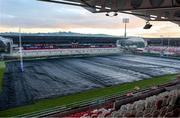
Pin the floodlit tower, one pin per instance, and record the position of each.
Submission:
(162, 44)
(125, 21)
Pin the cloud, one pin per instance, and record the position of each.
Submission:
(36, 16)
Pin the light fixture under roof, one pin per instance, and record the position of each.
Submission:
(111, 14)
(107, 14)
(148, 25)
(115, 14)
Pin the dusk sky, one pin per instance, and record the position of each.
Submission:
(35, 16)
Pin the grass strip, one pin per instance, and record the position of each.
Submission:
(2, 70)
(87, 95)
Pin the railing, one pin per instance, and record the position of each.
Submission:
(93, 101)
(58, 109)
(62, 108)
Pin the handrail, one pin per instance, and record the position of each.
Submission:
(69, 106)
(62, 108)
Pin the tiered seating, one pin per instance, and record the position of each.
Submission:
(161, 101)
(77, 114)
(171, 50)
(102, 112)
(161, 105)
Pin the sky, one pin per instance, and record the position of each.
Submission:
(35, 16)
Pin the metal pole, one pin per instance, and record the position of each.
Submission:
(125, 33)
(168, 42)
(125, 21)
(162, 50)
(20, 50)
(168, 46)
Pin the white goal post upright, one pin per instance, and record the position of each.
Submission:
(20, 51)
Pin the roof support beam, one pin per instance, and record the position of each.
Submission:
(63, 2)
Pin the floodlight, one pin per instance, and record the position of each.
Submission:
(148, 25)
(107, 14)
(115, 14)
(111, 14)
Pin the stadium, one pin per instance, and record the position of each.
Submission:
(49, 75)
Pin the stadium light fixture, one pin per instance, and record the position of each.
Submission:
(148, 25)
(125, 21)
(115, 14)
(107, 14)
(111, 15)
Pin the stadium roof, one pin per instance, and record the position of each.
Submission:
(150, 10)
(62, 39)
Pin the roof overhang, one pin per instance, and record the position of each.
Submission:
(151, 10)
